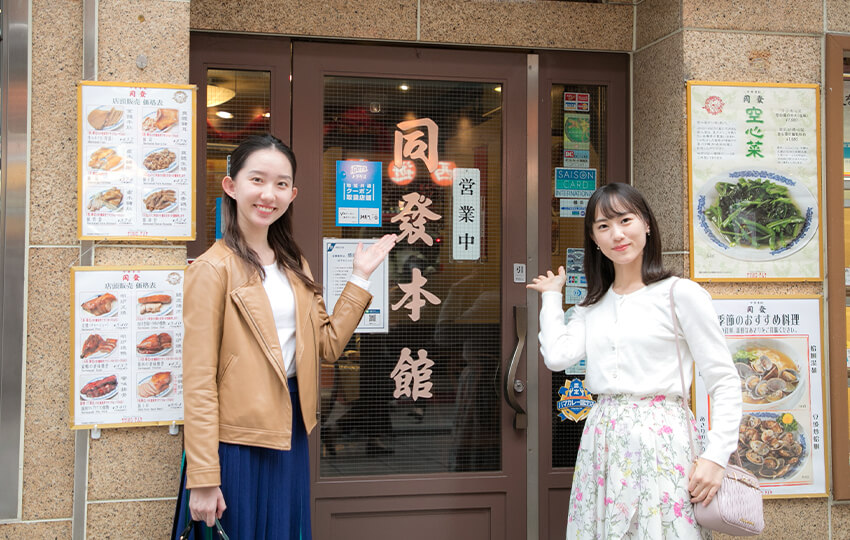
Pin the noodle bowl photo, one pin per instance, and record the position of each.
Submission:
(770, 372)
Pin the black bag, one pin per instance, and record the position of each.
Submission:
(190, 524)
(218, 530)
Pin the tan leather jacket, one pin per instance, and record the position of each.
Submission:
(234, 383)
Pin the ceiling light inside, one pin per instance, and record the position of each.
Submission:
(216, 95)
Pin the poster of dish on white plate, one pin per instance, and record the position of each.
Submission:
(754, 181)
(136, 161)
(776, 347)
(126, 346)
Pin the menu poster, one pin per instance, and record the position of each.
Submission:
(136, 174)
(754, 170)
(126, 346)
(776, 345)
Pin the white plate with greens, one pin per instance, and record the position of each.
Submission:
(755, 215)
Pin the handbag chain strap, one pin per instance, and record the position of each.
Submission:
(685, 394)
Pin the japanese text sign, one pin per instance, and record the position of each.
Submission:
(776, 347)
(358, 193)
(754, 167)
(126, 346)
(136, 161)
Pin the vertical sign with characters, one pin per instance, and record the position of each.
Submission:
(466, 215)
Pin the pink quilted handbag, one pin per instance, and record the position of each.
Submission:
(736, 508)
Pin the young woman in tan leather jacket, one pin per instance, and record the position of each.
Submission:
(256, 329)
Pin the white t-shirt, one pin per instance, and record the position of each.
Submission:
(630, 349)
(282, 300)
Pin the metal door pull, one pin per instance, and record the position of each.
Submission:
(513, 386)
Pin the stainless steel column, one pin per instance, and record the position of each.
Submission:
(532, 152)
(81, 437)
(14, 152)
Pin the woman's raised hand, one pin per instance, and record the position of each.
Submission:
(549, 282)
(367, 260)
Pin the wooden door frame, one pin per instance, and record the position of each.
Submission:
(572, 68)
(237, 52)
(312, 61)
(836, 45)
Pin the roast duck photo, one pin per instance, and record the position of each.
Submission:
(99, 305)
(155, 385)
(100, 387)
(154, 343)
(153, 303)
(96, 344)
(164, 119)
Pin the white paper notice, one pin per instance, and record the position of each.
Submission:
(339, 258)
(466, 215)
(136, 169)
(127, 350)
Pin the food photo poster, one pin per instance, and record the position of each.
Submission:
(136, 161)
(126, 346)
(776, 345)
(754, 181)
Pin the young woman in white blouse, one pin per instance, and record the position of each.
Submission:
(255, 330)
(634, 475)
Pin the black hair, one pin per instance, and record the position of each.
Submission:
(613, 200)
(287, 254)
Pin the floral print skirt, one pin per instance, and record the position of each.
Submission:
(631, 474)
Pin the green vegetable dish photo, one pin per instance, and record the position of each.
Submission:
(755, 213)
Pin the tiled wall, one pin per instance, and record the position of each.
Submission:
(140, 464)
(538, 24)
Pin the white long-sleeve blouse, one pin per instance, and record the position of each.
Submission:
(630, 349)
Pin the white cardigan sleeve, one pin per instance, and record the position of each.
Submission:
(707, 345)
(562, 345)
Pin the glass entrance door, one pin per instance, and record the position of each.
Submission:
(415, 437)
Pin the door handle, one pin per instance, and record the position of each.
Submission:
(512, 385)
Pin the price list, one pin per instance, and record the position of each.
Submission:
(136, 175)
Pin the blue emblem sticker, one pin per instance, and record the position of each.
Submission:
(576, 401)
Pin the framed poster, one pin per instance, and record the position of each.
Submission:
(136, 161)
(776, 344)
(126, 346)
(754, 181)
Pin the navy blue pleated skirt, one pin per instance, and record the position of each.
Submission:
(267, 492)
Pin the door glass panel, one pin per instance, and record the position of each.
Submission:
(425, 396)
(238, 105)
(578, 142)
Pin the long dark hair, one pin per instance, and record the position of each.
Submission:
(613, 200)
(287, 254)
